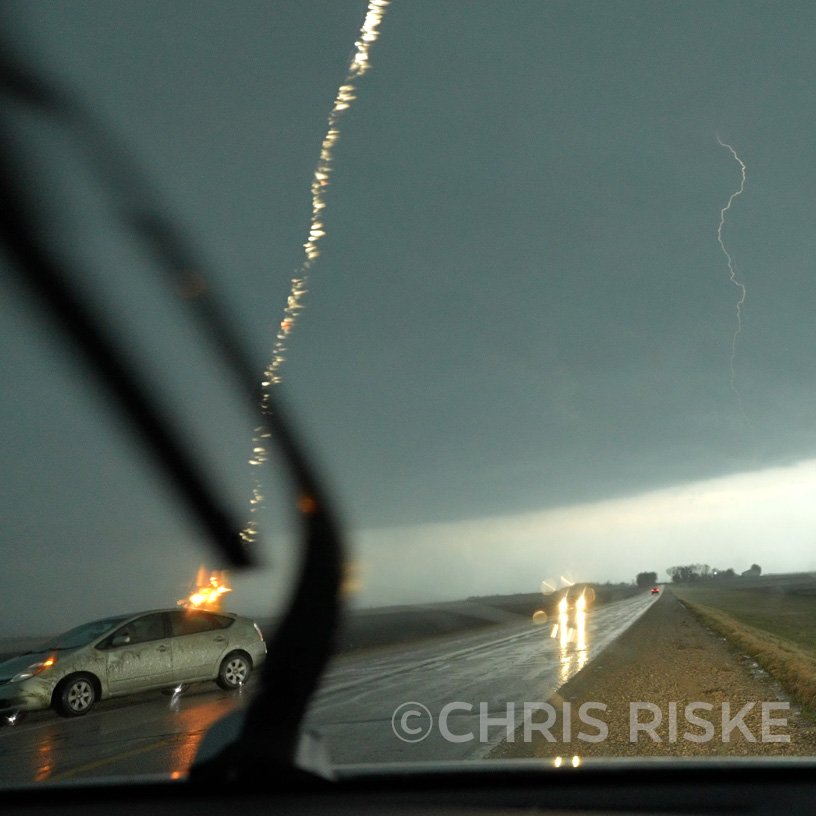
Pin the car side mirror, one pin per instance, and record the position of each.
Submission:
(120, 640)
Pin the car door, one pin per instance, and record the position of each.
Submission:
(199, 640)
(139, 655)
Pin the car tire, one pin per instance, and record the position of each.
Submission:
(235, 670)
(76, 695)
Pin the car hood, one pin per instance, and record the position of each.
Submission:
(13, 665)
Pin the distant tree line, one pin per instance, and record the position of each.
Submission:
(689, 573)
(646, 579)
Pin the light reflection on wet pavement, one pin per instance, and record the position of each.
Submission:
(147, 734)
(157, 734)
(510, 664)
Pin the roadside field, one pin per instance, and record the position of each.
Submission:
(666, 658)
(774, 622)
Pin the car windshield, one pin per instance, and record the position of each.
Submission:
(81, 635)
(533, 282)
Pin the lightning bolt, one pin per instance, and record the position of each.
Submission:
(732, 270)
(359, 65)
(346, 94)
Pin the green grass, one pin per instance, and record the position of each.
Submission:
(773, 623)
(784, 614)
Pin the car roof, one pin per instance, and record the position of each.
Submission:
(132, 615)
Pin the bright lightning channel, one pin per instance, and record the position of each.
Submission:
(359, 65)
(732, 270)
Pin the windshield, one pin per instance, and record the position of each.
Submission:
(534, 282)
(82, 635)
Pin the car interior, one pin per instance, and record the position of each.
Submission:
(264, 759)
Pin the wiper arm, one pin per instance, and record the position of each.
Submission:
(138, 207)
(301, 646)
(41, 272)
(265, 751)
(44, 274)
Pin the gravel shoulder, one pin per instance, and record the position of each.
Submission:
(667, 660)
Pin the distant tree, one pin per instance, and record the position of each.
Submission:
(726, 573)
(678, 574)
(687, 573)
(753, 571)
(646, 579)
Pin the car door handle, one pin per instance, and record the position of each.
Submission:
(162, 648)
(219, 638)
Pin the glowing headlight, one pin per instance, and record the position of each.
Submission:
(34, 669)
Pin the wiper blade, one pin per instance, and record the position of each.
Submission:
(298, 651)
(301, 646)
(44, 274)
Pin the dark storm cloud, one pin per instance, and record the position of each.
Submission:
(521, 302)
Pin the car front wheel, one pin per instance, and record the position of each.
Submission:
(76, 695)
(234, 672)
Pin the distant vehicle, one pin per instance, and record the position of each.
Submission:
(575, 602)
(655, 590)
(123, 655)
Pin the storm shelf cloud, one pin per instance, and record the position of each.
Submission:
(515, 356)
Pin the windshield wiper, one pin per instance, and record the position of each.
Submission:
(302, 644)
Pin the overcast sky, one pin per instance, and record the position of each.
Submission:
(513, 362)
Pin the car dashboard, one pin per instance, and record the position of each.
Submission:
(455, 789)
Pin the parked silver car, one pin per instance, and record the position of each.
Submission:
(130, 653)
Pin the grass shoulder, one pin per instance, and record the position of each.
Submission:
(774, 622)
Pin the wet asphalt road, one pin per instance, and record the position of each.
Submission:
(157, 734)
(509, 664)
(145, 734)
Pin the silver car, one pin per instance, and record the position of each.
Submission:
(130, 653)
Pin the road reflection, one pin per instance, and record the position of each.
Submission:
(151, 735)
(44, 758)
(571, 633)
(192, 724)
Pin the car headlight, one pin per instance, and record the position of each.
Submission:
(34, 669)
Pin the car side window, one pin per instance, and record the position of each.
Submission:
(144, 629)
(193, 622)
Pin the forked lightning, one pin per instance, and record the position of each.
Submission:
(732, 269)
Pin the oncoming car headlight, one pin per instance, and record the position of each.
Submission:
(34, 669)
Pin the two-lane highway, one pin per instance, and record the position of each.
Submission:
(521, 663)
(154, 733)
